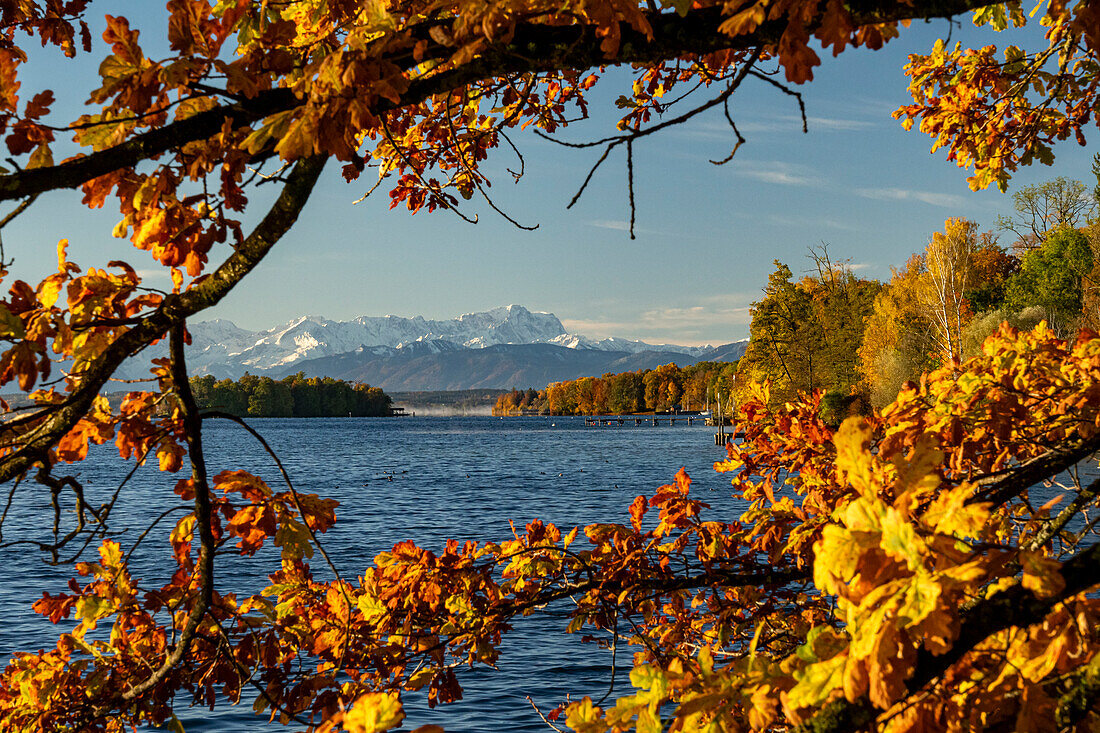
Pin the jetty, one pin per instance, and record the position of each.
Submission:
(721, 420)
(634, 420)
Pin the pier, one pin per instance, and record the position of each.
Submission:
(652, 420)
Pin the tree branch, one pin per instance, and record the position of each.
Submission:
(1001, 486)
(203, 515)
(1015, 606)
(35, 434)
(534, 47)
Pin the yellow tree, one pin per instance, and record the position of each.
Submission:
(948, 274)
(897, 343)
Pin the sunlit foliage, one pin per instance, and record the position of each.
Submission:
(896, 573)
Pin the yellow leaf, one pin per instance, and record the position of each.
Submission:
(899, 539)
(1042, 575)
(915, 474)
(853, 457)
(584, 717)
(174, 725)
(62, 257)
(373, 712)
(371, 608)
(294, 538)
(110, 552)
(836, 557)
(817, 682)
(89, 609)
(42, 157)
(149, 229)
(170, 456)
(950, 514)
(49, 289)
(419, 678)
(919, 600)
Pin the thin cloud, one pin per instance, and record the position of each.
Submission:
(694, 317)
(688, 326)
(729, 300)
(596, 328)
(784, 124)
(779, 178)
(932, 198)
(834, 124)
(781, 174)
(619, 226)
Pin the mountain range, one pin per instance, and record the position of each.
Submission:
(501, 348)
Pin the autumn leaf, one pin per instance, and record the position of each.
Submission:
(374, 712)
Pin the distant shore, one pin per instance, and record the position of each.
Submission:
(448, 403)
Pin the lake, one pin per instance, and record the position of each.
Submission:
(425, 479)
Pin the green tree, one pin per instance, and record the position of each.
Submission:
(806, 336)
(228, 396)
(306, 395)
(1051, 277)
(780, 350)
(626, 393)
(268, 398)
(1044, 207)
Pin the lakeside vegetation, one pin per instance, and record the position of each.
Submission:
(668, 387)
(293, 396)
(858, 341)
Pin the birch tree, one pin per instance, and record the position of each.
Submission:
(947, 276)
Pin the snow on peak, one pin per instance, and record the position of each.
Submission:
(221, 348)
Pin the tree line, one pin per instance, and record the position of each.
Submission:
(857, 340)
(293, 396)
(666, 388)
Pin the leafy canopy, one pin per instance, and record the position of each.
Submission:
(895, 571)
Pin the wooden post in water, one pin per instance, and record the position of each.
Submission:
(720, 436)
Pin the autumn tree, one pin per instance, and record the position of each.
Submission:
(781, 346)
(840, 306)
(805, 336)
(990, 267)
(948, 274)
(895, 573)
(898, 340)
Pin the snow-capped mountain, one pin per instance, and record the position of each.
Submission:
(613, 343)
(221, 348)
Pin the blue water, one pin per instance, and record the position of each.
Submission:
(425, 479)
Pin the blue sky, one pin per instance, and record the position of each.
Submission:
(706, 235)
